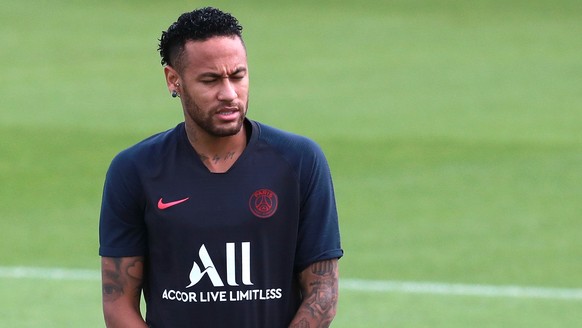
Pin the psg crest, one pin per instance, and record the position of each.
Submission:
(263, 203)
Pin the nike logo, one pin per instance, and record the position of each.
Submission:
(163, 206)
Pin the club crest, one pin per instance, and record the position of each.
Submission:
(263, 203)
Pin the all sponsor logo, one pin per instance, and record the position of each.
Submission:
(196, 274)
(242, 282)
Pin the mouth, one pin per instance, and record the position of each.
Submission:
(228, 114)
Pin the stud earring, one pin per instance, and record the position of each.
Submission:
(174, 92)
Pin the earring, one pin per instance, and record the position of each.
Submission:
(174, 92)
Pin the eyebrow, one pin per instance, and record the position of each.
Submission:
(218, 75)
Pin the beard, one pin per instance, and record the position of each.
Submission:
(207, 120)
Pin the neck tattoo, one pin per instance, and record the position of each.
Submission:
(216, 159)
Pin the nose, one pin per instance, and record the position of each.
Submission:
(227, 91)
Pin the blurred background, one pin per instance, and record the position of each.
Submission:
(453, 130)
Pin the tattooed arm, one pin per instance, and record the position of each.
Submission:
(319, 287)
(122, 280)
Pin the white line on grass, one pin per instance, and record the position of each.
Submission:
(358, 285)
(383, 286)
(49, 273)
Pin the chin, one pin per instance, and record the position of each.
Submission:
(227, 131)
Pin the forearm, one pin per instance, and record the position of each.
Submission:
(319, 283)
(122, 280)
(119, 317)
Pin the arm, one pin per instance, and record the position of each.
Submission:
(319, 287)
(122, 280)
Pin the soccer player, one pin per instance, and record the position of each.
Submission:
(220, 221)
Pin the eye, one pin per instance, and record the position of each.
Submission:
(238, 77)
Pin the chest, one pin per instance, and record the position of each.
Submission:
(239, 205)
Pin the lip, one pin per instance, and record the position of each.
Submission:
(228, 113)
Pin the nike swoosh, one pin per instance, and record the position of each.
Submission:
(163, 206)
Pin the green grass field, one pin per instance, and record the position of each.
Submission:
(453, 129)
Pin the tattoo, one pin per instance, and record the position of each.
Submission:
(120, 277)
(323, 268)
(112, 291)
(301, 324)
(216, 158)
(203, 157)
(112, 281)
(320, 295)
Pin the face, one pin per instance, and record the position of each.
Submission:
(213, 85)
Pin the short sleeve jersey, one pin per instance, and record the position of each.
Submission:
(221, 250)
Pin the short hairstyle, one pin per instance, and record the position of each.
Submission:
(198, 25)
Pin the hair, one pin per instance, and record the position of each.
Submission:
(198, 25)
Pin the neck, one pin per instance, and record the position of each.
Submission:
(218, 154)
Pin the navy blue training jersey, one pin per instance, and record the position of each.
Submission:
(221, 249)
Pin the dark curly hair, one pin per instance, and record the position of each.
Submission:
(198, 25)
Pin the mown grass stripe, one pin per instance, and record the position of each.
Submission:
(358, 285)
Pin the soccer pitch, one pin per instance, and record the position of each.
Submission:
(453, 130)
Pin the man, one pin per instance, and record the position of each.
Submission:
(220, 221)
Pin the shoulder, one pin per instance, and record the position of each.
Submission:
(303, 155)
(150, 149)
(290, 145)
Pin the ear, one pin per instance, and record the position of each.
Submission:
(172, 79)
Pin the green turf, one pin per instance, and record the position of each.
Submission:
(453, 131)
